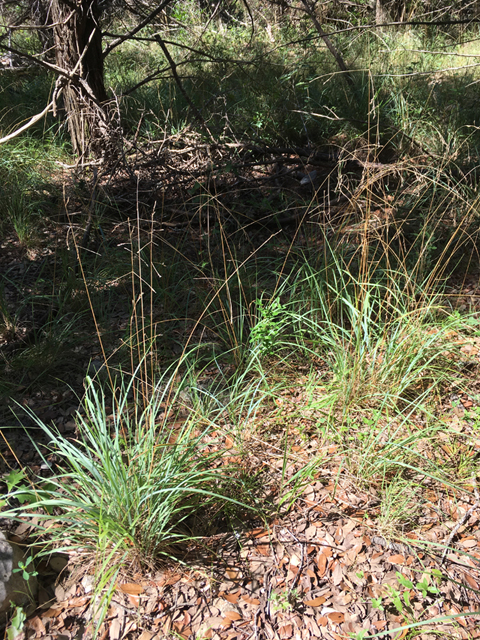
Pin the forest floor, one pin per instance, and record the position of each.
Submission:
(327, 565)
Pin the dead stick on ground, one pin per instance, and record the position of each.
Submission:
(300, 568)
(462, 520)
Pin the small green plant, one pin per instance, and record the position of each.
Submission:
(284, 600)
(264, 335)
(360, 635)
(425, 588)
(17, 480)
(402, 599)
(27, 570)
(398, 602)
(16, 623)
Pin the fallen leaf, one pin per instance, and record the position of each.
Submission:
(131, 588)
(37, 625)
(322, 564)
(233, 615)
(352, 553)
(380, 624)
(232, 597)
(350, 526)
(468, 543)
(228, 442)
(263, 549)
(471, 581)
(396, 559)
(232, 573)
(115, 629)
(257, 533)
(134, 600)
(249, 600)
(336, 617)
(316, 602)
(78, 602)
(337, 574)
(286, 631)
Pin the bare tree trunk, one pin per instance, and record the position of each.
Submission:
(381, 13)
(78, 46)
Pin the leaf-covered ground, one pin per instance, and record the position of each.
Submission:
(343, 555)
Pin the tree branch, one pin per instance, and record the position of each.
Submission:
(136, 29)
(336, 54)
(31, 122)
(176, 77)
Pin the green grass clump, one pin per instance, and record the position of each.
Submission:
(133, 481)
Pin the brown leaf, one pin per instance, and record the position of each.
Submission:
(115, 629)
(131, 588)
(232, 573)
(350, 526)
(336, 617)
(380, 624)
(53, 612)
(396, 559)
(322, 564)
(468, 543)
(286, 631)
(37, 625)
(316, 602)
(337, 574)
(233, 615)
(352, 553)
(264, 549)
(250, 600)
(78, 602)
(228, 442)
(134, 600)
(226, 623)
(232, 597)
(257, 533)
(471, 581)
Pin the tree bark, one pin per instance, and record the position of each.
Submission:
(78, 47)
(381, 13)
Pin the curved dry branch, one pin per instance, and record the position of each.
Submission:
(31, 122)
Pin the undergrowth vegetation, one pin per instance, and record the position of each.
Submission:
(259, 319)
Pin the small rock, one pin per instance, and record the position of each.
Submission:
(87, 583)
(58, 563)
(309, 179)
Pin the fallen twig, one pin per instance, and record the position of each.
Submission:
(462, 520)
